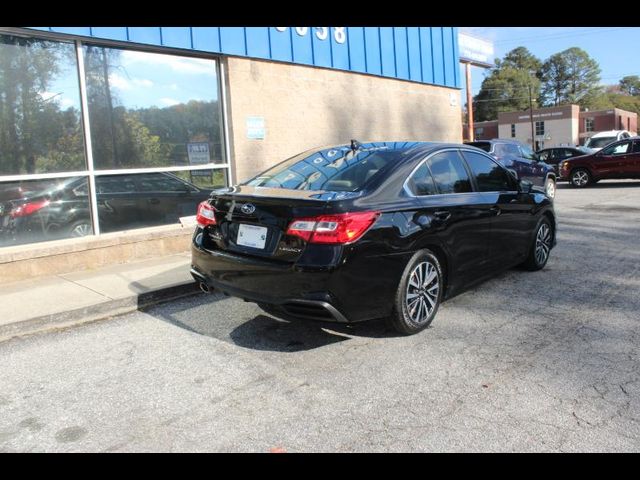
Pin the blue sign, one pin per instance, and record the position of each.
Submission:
(419, 54)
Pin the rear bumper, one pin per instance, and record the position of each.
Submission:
(359, 288)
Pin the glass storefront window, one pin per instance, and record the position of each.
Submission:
(41, 210)
(127, 201)
(40, 115)
(146, 111)
(151, 109)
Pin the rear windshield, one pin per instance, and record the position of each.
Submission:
(332, 169)
(486, 146)
(599, 142)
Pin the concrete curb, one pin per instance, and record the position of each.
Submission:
(99, 311)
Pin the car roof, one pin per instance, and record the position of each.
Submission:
(608, 133)
(402, 146)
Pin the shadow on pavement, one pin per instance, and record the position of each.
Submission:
(246, 325)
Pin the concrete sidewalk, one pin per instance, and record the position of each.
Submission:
(46, 303)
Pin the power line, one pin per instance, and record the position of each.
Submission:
(561, 35)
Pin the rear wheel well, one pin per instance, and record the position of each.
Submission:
(552, 220)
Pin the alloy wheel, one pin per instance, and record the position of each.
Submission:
(551, 189)
(422, 292)
(81, 230)
(543, 244)
(580, 178)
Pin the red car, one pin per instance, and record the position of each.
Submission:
(620, 159)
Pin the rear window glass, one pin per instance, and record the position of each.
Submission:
(331, 169)
(486, 146)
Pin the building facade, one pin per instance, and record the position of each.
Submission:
(554, 126)
(110, 136)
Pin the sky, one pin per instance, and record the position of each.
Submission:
(143, 79)
(612, 47)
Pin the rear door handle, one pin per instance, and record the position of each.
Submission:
(153, 201)
(444, 215)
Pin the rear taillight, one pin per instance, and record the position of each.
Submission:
(333, 229)
(28, 209)
(206, 214)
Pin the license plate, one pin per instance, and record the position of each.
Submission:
(251, 236)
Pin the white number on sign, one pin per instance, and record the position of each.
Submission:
(339, 33)
(322, 33)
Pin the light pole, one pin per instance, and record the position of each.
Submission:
(533, 144)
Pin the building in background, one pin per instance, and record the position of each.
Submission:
(555, 126)
(109, 136)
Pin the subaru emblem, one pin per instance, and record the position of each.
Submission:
(247, 209)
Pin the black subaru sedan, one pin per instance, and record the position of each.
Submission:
(364, 231)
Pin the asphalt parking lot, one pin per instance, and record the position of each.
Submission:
(543, 361)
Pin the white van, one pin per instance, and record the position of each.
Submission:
(601, 139)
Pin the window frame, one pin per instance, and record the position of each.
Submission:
(474, 186)
(589, 124)
(474, 183)
(539, 126)
(91, 172)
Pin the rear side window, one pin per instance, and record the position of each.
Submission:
(490, 177)
(421, 182)
(636, 146)
(449, 173)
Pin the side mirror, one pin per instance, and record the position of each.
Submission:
(525, 186)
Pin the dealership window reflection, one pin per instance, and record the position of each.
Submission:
(151, 109)
(42, 210)
(40, 116)
(127, 201)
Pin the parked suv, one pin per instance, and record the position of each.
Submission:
(618, 160)
(553, 156)
(522, 161)
(602, 139)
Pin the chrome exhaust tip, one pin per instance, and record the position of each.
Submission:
(204, 287)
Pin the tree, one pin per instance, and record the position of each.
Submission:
(630, 85)
(570, 76)
(507, 86)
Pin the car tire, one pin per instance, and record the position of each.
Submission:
(419, 294)
(540, 246)
(81, 228)
(580, 177)
(550, 188)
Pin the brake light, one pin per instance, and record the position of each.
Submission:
(28, 209)
(333, 229)
(206, 214)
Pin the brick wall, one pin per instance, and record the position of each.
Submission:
(306, 107)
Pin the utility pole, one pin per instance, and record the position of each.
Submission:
(533, 143)
(469, 102)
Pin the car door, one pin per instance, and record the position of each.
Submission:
(612, 161)
(460, 217)
(511, 219)
(532, 169)
(117, 200)
(632, 167)
(166, 198)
